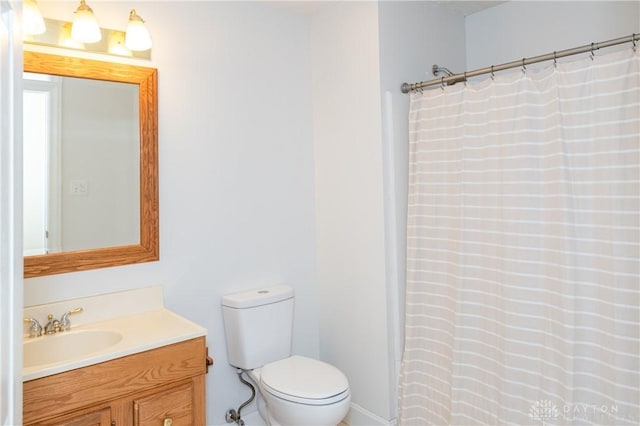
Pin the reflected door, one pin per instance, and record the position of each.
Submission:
(41, 168)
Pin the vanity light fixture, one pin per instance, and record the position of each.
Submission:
(32, 20)
(64, 35)
(85, 25)
(137, 37)
(85, 34)
(116, 44)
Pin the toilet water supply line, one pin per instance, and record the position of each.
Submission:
(233, 415)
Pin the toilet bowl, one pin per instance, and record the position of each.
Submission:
(301, 391)
(292, 390)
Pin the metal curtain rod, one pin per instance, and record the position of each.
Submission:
(410, 87)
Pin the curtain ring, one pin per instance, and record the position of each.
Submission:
(465, 79)
(555, 60)
(524, 68)
(633, 41)
(442, 82)
(592, 54)
(493, 75)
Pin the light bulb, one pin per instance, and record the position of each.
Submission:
(137, 37)
(85, 26)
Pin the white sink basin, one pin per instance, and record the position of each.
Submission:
(67, 346)
(111, 326)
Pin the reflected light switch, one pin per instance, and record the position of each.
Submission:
(79, 188)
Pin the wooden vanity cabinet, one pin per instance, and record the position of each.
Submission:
(94, 417)
(159, 387)
(175, 404)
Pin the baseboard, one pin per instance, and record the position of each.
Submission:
(359, 416)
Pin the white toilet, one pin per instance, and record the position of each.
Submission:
(292, 390)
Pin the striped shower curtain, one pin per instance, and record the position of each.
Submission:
(522, 299)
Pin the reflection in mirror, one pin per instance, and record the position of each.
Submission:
(81, 164)
(91, 188)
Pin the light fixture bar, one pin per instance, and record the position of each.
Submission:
(58, 34)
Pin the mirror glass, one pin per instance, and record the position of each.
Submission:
(81, 153)
(90, 164)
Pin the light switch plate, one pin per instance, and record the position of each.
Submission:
(79, 188)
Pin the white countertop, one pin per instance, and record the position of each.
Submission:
(141, 329)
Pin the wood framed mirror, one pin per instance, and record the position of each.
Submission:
(147, 248)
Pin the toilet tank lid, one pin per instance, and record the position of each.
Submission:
(257, 297)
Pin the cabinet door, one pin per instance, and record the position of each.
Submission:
(100, 417)
(171, 407)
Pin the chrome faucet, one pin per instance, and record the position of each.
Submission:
(65, 322)
(52, 326)
(36, 329)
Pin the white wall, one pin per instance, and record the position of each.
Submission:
(518, 29)
(236, 170)
(349, 201)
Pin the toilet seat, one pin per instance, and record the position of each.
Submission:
(305, 381)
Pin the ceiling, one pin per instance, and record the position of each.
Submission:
(463, 7)
(467, 7)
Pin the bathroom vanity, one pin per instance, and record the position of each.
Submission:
(145, 366)
(163, 386)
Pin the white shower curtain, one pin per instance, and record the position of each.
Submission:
(522, 300)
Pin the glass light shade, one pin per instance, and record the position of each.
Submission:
(32, 21)
(137, 37)
(85, 26)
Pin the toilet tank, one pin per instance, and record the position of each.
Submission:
(258, 325)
